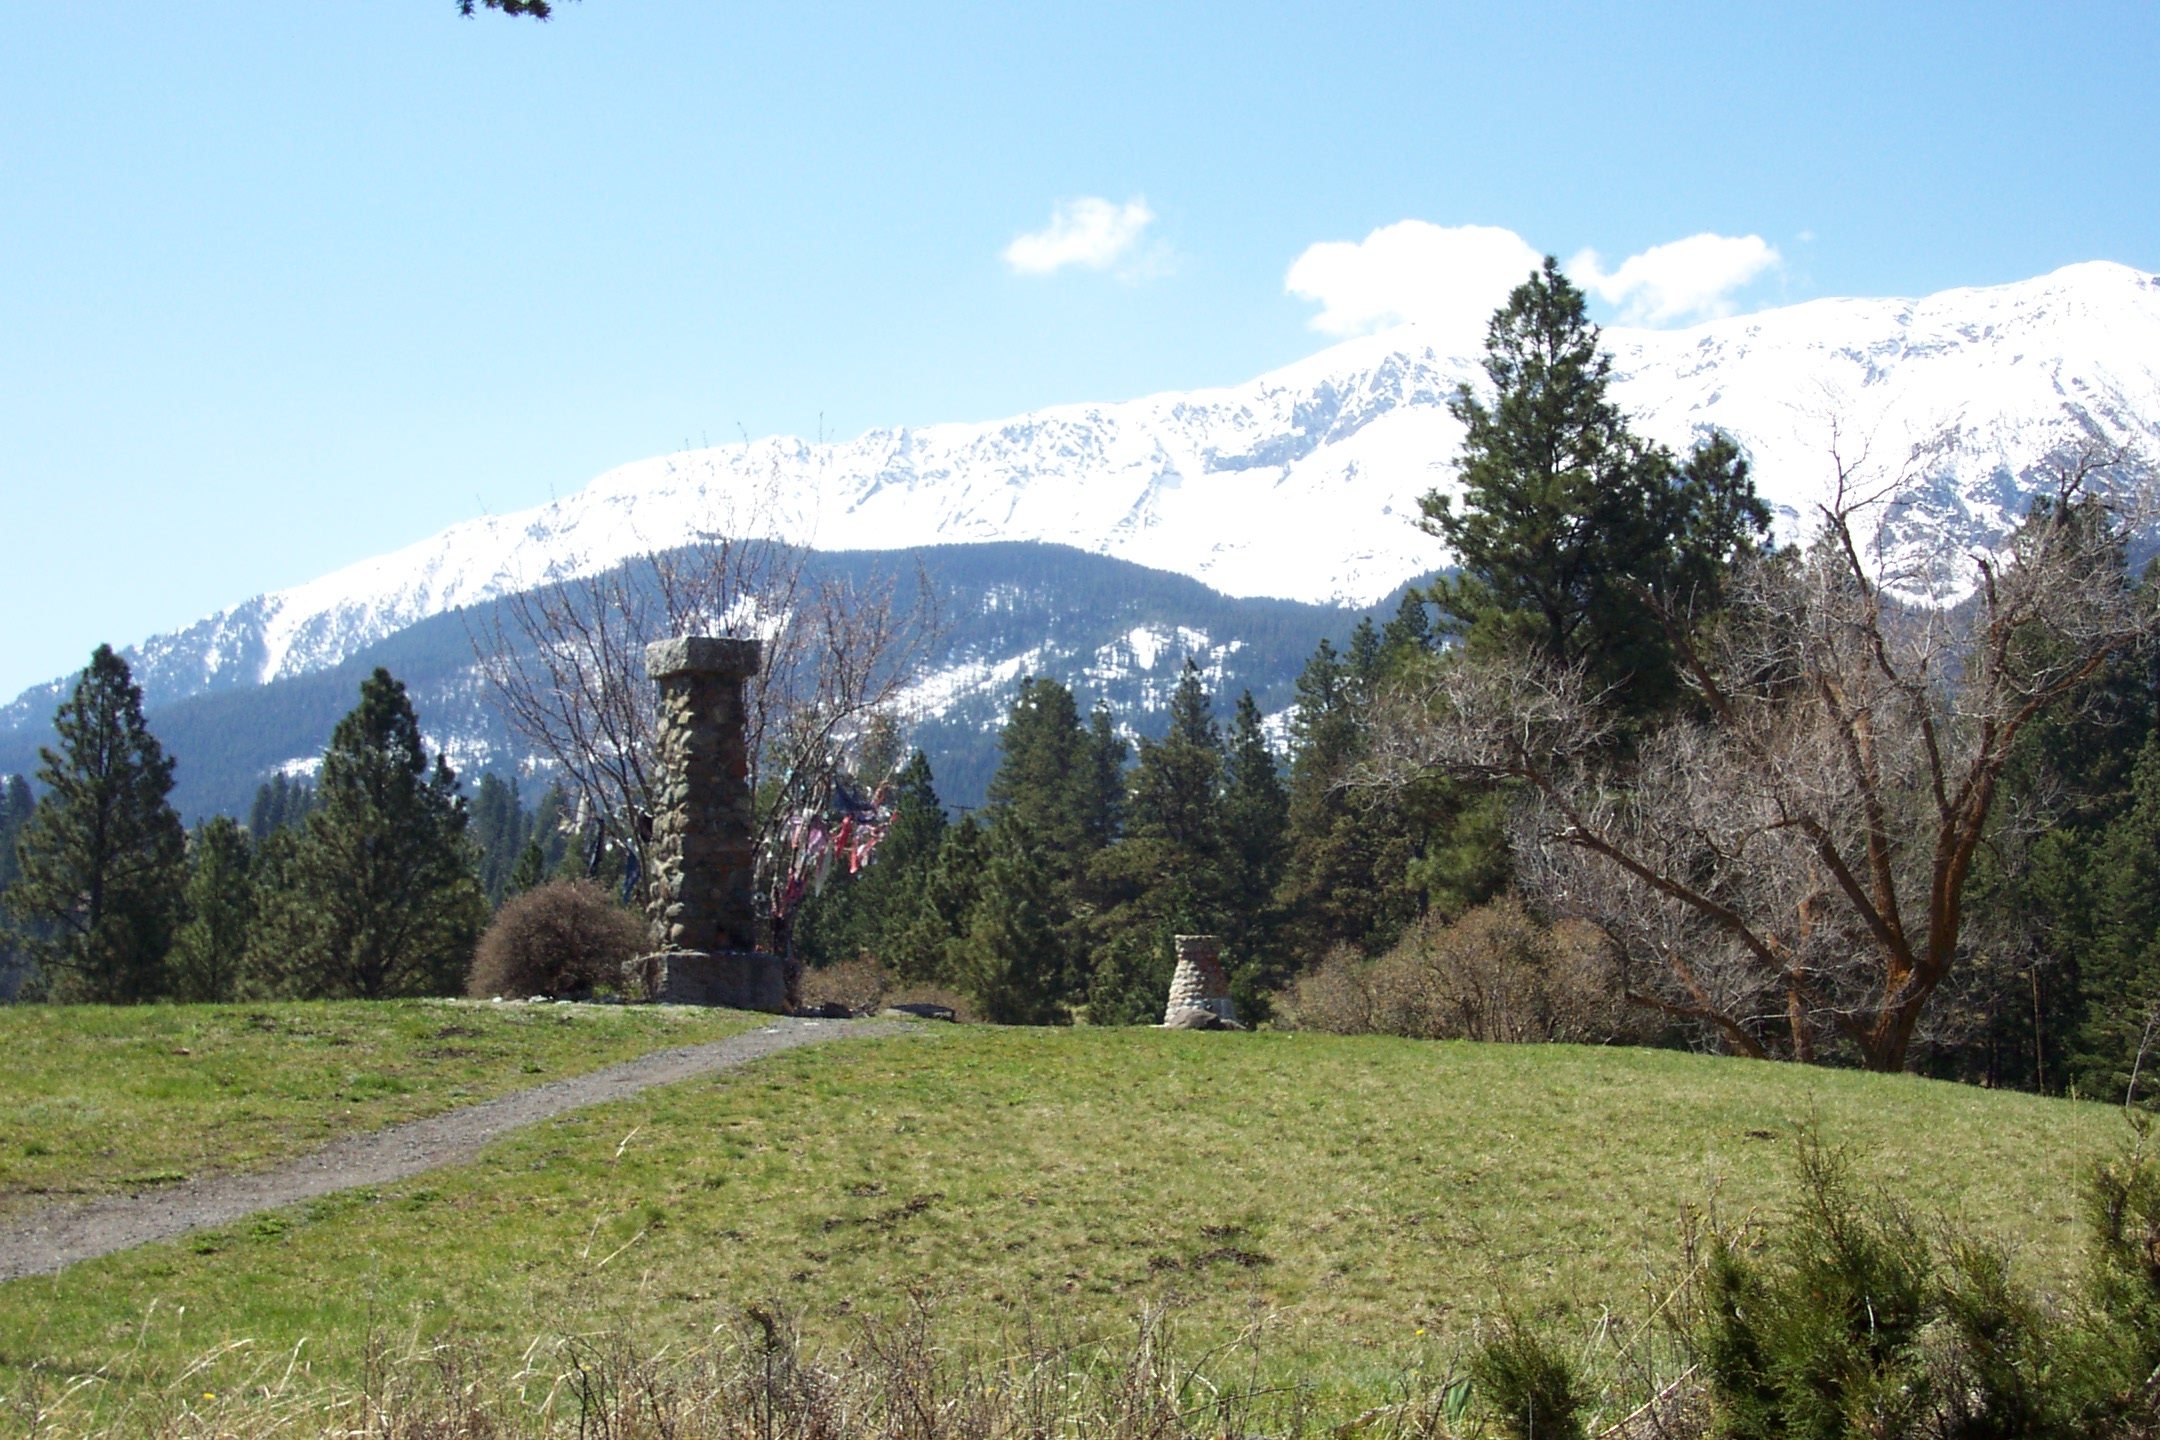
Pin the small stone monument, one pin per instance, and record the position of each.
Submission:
(703, 909)
(1199, 982)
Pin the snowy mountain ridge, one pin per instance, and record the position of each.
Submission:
(1302, 483)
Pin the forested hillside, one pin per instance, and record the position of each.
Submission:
(1001, 612)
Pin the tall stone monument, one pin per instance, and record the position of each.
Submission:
(703, 858)
(1199, 983)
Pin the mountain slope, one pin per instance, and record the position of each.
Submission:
(1113, 631)
(1301, 485)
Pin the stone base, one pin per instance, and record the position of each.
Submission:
(737, 979)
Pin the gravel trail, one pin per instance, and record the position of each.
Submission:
(44, 1241)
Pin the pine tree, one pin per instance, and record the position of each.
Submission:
(1044, 777)
(267, 814)
(1045, 801)
(900, 869)
(922, 947)
(1256, 819)
(1012, 958)
(546, 831)
(1569, 525)
(209, 952)
(1175, 816)
(281, 802)
(501, 828)
(2119, 968)
(16, 806)
(102, 855)
(1105, 787)
(381, 898)
(1171, 872)
(1346, 880)
(1410, 634)
(530, 870)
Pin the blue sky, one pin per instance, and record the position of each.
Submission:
(289, 283)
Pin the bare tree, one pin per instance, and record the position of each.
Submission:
(566, 661)
(1788, 866)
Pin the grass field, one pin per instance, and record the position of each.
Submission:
(100, 1098)
(1370, 1199)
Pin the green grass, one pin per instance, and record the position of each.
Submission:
(1371, 1198)
(102, 1098)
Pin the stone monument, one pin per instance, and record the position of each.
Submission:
(703, 911)
(1199, 982)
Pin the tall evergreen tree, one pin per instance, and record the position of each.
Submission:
(900, 870)
(102, 855)
(381, 897)
(1105, 787)
(1346, 879)
(1410, 633)
(1569, 525)
(1175, 815)
(923, 945)
(2119, 969)
(1042, 787)
(1256, 819)
(1172, 871)
(501, 828)
(281, 802)
(210, 950)
(1013, 956)
(16, 806)
(1045, 802)
(550, 836)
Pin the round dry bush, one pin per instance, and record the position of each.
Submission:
(563, 938)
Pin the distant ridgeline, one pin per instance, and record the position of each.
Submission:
(1108, 629)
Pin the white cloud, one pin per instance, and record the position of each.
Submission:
(1691, 279)
(1445, 277)
(1090, 231)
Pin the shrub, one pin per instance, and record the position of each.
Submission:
(865, 986)
(565, 938)
(860, 984)
(1842, 1320)
(1497, 973)
(1131, 982)
(1526, 1382)
(1334, 997)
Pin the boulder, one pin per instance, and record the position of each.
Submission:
(921, 1011)
(1194, 1017)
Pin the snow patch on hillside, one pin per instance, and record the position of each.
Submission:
(1305, 482)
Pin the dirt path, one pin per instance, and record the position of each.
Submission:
(52, 1239)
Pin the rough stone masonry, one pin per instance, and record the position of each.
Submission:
(702, 912)
(1199, 982)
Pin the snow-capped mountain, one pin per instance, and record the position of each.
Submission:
(1301, 484)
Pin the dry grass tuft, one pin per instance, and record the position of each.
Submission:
(756, 1379)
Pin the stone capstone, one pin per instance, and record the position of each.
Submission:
(703, 654)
